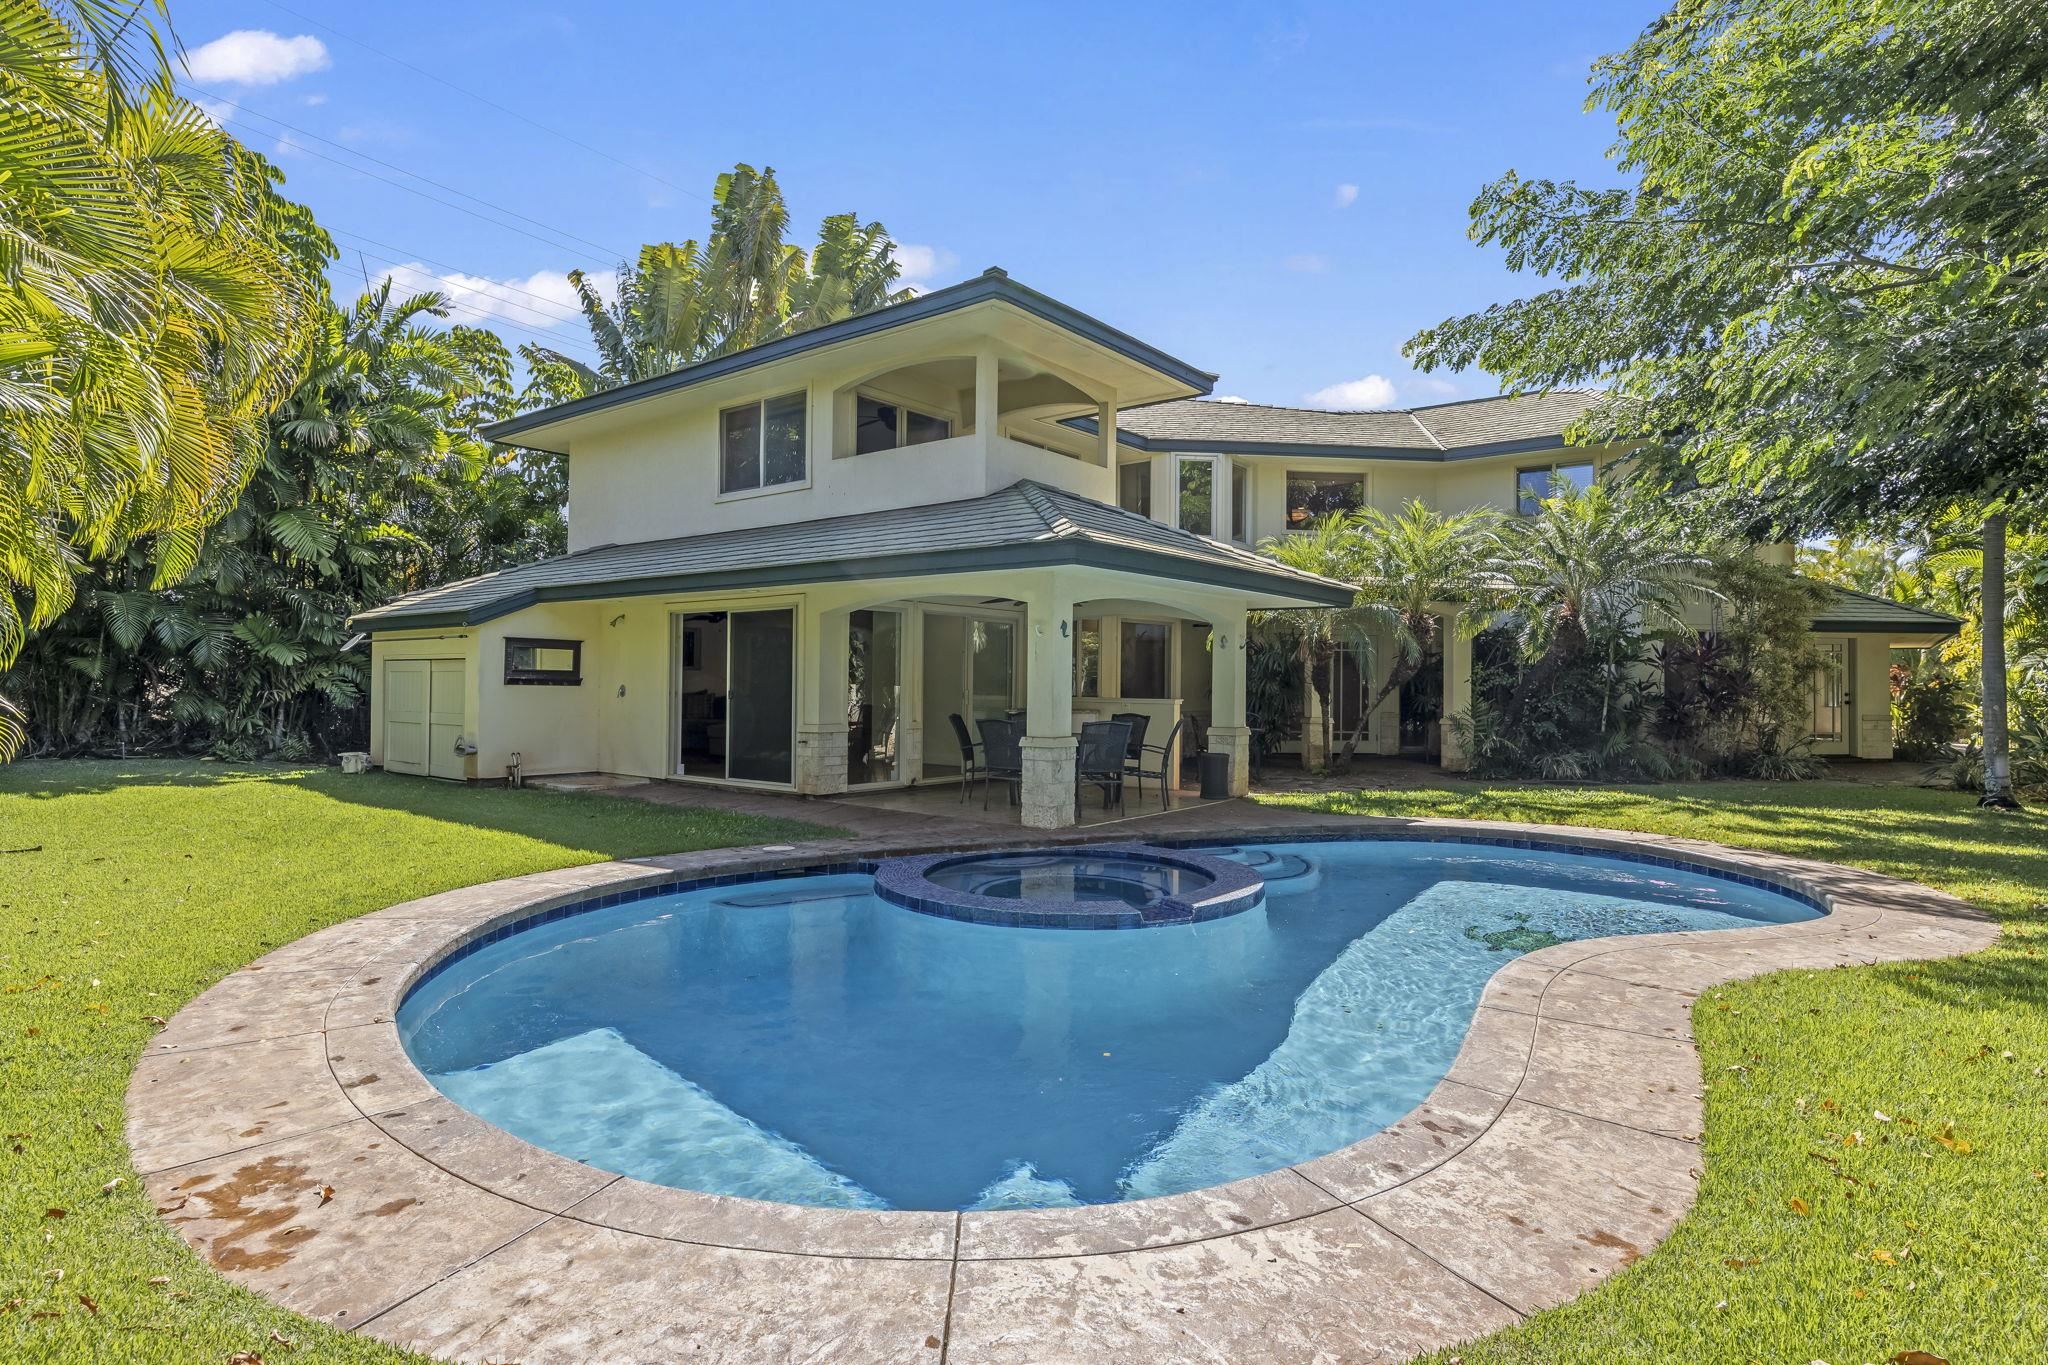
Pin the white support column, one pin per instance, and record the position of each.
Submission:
(1105, 436)
(1457, 696)
(820, 700)
(988, 390)
(1229, 731)
(1049, 705)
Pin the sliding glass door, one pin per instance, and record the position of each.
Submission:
(874, 696)
(761, 696)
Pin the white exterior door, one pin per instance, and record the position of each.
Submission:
(1831, 685)
(423, 717)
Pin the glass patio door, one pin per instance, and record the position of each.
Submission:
(760, 696)
(1830, 692)
(991, 666)
(874, 696)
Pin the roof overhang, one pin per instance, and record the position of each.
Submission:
(989, 305)
(1269, 589)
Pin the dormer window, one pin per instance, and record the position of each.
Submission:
(879, 424)
(762, 444)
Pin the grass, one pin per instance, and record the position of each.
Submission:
(128, 888)
(1876, 1144)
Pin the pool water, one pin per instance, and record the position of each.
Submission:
(803, 1040)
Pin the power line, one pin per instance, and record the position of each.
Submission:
(467, 310)
(415, 190)
(531, 312)
(402, 170)
(568, 312)
(491, 103)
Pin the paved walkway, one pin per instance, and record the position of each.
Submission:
(285, 1133)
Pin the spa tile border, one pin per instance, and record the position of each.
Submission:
(1572, 1109)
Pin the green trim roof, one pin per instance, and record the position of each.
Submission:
(1850, 612)
(1027, 525)
(990, 285)
(1466, 430)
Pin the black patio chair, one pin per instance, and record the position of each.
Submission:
(1099, 758)
(1134, 755)
(1002, 758)
(1165, 755)
(970, 764)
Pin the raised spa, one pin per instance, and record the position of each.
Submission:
(1109, 886)
(807, 1039)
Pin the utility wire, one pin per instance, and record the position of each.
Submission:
(402, 170)
(415, 190)
(475, 312)
(534, 311)
(565, 312)
(491, 103)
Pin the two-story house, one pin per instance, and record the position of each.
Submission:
(793, 565)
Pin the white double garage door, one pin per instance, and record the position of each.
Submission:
(423, 710)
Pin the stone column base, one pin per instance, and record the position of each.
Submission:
(1235, 740)
(1048, 781)
(821, 759)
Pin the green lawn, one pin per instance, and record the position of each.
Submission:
(128, 888)
(1930, 1232)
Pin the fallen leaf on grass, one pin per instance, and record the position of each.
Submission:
(90, 1306)
(1918, 1358)
(1799, 1206)
(54, 1213)
(116, 1183)
(245, 1358)
(159, 1279)
(1883, 1257)
(279, 1339)
(1738, 1263)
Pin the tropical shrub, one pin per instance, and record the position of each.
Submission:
(1931, 710)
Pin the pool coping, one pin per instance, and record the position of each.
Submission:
(289, 1138)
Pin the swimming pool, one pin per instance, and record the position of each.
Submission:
(802, 1039)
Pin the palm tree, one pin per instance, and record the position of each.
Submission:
(1329, 546)
(156, 297)
(1591, 566)
(1411, 566)
(682, 302)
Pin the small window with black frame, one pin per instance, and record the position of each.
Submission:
(1534, 483)
(1311, 497)
(557, 663)
(879, 424)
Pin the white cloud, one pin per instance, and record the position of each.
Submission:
(255, 56)
(1373, 391)
(543, 299)
(1307, 263)
(923, 266)
(1347, 195)
(1434, 387)
(315, 100)
(1229, 398)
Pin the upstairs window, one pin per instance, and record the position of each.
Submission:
(762, 445)
(1240, 503)
(1311, 497)
(881, 425)
(1195, 482)
(1534, 484)
(1134, 487)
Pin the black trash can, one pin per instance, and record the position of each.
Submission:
(1215, 770)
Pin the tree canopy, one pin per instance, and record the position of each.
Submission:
(682, 302)
(156, 300)
(1820, 295)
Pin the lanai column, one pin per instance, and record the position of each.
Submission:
(1457, 696)
(820, 700)
(1049, 705)
(1229, 731)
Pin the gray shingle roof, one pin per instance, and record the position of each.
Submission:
(1849, 612)
(1446, 431)
(1025, 525)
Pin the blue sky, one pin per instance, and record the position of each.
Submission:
(1276, 192)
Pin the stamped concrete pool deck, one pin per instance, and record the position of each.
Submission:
(286, 1135)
